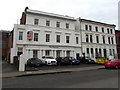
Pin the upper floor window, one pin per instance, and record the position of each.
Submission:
(96, 28)
(97, 39)
(112, 40)
(47, 23)
(86, 27)
(36, 21)
(20, 35)
(102, 29)
(109, 40)
(67, 39)
(35, 36)
(87, 38)
(90, 27)
(91, 40)
(57, 24)
(111, 31)
(104, 39)
(77, 41)
(67, 25)
(108, 30)
(47, 37)
(58, 38)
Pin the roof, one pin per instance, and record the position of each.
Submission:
(117, 30)
(49, 14)
(97, 22)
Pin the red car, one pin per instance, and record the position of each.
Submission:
(113, 63)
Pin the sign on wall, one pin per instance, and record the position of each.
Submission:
(29, 35)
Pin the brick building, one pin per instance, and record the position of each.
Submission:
(4, 40)
(117, 32)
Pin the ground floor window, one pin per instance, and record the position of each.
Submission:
(58, 53)
(35, 53)
(47, 53)
(68, 53)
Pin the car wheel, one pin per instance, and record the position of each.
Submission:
(86, 62)
(106, 67)
(71, 63)
(116, 67)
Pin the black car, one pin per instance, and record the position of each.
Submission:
(72, 60)
(86, 60)
(34, 62)
(62, 61)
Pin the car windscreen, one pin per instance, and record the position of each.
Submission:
(112, 60)
(49, 57)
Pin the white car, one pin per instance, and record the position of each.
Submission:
(48, 60)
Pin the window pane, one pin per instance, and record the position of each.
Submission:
(96, 28)
(90, 27)
(47, 37)
(102, 29)
(35, 36)
(91, 39)
(87, 38)
(36, 21)
(58, 38)
(67, 25)
(108, 30)
(47, 23)
(86, 27)
(67, 39)
(57, 24)
(20, 35)
(35, 53)
(77, 40)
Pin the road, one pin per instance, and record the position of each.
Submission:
(99, 78)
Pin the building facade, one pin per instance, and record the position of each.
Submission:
(45, 34)
(117, 33)
(4, 40)
(98, 39)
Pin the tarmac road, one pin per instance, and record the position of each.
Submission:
(98, 78)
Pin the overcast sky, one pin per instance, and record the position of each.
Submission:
(99, 10)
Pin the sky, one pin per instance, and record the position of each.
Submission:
(105, 11)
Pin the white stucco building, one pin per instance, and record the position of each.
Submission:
(98, 39)
(45, 34)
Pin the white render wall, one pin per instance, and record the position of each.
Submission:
(42, 21)
(94, 44)
(41, 45)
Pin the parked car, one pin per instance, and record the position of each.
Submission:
(86, 60)
(34, 62)
(62, 61)
(113, 63)
(48, 60)
(101, 60)
(72, 60)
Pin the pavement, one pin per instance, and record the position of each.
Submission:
(43, 72)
